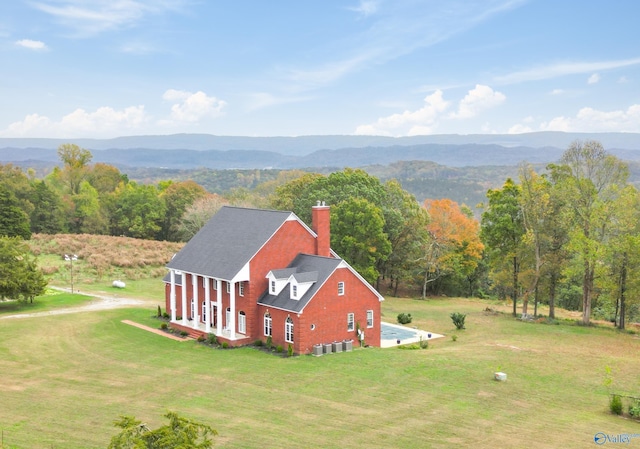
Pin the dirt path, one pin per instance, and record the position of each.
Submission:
(100, 302)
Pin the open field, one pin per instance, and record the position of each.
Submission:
(66, 378)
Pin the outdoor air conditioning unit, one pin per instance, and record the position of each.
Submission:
(317, 350)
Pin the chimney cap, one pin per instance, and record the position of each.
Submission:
(320, 204)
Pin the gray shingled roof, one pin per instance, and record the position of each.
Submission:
(228, 241)
(303, 263)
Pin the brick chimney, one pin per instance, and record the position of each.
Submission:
(321, 224)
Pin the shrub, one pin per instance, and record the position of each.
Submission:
(424, 344)
(454, 338)
(634, 409)
(212, 339)
(279, 348)
(165, 316)
(159, 312)
(615, 404)
(257, 343)
(225, 345)
(290, 350)
(404, 318)
(458, 319)
(269, 342)
(164, 326)
(412, 346)
(184, 333)
(201, 338)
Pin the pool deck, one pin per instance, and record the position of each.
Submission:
(389, 343)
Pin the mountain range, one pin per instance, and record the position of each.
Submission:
(185, 151)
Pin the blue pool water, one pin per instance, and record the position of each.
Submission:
(388, 332)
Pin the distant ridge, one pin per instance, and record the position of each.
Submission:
(304, 145)
(185, 151)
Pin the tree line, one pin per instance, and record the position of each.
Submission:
(565, 235)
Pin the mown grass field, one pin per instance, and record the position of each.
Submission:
(67, 377)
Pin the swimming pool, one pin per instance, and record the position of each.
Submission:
(391, 333)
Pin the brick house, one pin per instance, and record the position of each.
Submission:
(250, 273)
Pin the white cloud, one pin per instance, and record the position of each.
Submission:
(31, 44)
(396, 31)
(562, 69)
(421, 121)
(519, 129)
(591, 120)
(366, 7)
(557, 91)
(623, 80)
(478, 99)
(192, 107)
(593, 79)
(95, 16)
(104, 121)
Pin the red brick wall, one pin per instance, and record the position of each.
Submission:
(290, 240)
(327, 313)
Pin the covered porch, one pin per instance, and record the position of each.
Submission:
(204, 308)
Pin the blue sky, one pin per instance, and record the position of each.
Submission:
(108, 68)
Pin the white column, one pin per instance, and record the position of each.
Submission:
(184, 298)
(218, 307)
(232, 305)
(172, 295)
(194, 286)
(207, 305)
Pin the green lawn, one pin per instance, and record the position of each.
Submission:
(66, 378)
(52, 300)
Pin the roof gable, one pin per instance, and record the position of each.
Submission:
(309, 269)
(228, 241)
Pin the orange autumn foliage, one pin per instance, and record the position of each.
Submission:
(457, 234)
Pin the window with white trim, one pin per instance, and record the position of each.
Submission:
(215, 284)
(241, 289)
(340, 288)
(242, 323)
(228, 287)
(193, 308)
(204, 282)
(369, 318)
(267, 325)
(294, 291)
(350, 321)
(227, 317)
(204, 312)
(272, 288)
(288, 330)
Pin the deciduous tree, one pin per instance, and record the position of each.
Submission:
(14, 222)
(454, 247)
(20, 277)
(591, 179)
(502, 230)
(358, 236)
(76, 161)
(179, 433)
(177, 198)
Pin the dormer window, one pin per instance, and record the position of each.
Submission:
(272, 288)
(294, 291)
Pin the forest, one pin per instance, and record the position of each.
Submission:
(564, 235)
